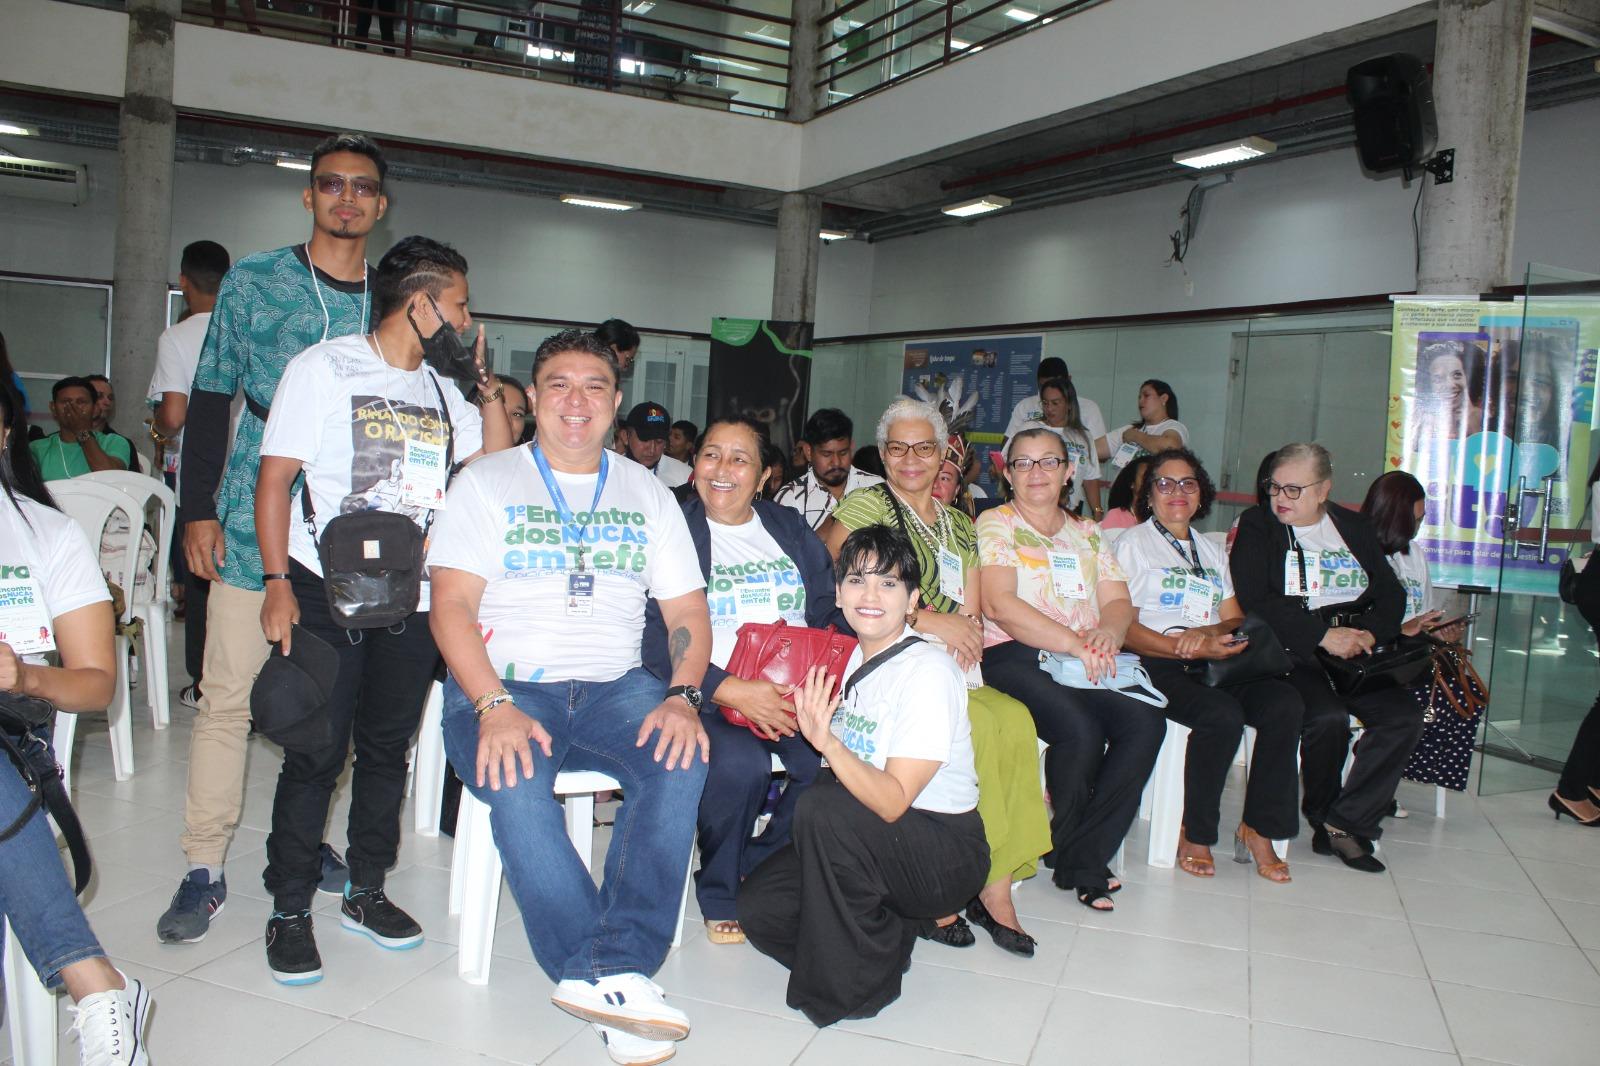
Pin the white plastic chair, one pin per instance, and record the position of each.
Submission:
(91, 504)
(155, 609)
(426, 780)
(1162, 802)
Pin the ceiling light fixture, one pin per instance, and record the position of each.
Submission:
(292, 164)
(601, 202)
(719, 61)
(981, 206)
(831, 235)
(762, 35)
(640, 7)
(959, 45)
(1219, 155)
(1017, 14)
(18, 130)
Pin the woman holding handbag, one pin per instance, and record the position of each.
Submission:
(1050, 584)
(1185, 617)
(1315, 572)
(911, 438)
(56, 603)
(762, 563)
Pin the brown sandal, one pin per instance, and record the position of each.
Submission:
(1242, 855)
(727, 931)
(1194, 865)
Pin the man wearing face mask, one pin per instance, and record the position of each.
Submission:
(270, 307)
(372, 428)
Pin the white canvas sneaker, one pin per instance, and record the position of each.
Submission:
(629, 1050)
(627, 1001)
(110, 1026)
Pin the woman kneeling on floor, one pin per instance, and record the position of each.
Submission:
(888, 839)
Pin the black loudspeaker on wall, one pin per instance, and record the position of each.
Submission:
(1396, 128)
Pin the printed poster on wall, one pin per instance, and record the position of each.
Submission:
(979, 378)
(761, 370)
(1488, 407)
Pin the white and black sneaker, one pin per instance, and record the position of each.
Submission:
(627, 1001)
(368, 911)
(629, 1050)
(292, 949)
(110, 1026)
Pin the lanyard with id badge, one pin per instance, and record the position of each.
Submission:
(1297, 580)
(580, 581)
(24, 618)
(1198, 590)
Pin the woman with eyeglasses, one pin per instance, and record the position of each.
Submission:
(1157, 430)
(912, 438)
(1186, 615)
(1050, 583)
(1058, 404)
(1317, 574)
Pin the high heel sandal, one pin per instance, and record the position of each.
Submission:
(1193, 865)
(1243, 856)
(1559, 805)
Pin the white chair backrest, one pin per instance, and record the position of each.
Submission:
(90, 504)
(162, 516)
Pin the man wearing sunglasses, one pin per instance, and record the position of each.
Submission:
(270, 307)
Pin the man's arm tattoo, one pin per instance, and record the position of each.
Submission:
(678, 645)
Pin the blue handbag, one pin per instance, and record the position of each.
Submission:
(1131, 679)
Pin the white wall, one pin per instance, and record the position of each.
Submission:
(530, 256)
(1300, 229)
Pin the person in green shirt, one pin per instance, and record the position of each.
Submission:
(75, 448)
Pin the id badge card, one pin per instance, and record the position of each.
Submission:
(1291, 575)
(422, 475)
(1066, 576)
(1125, 454)
(1197, 594)
(580, 594)
(24, 621)
(952, 579)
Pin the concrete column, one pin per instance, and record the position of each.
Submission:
(803, 36)
(147, 135)
(1480, 83)
(794, 272)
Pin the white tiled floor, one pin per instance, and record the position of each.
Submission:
(1480, 946)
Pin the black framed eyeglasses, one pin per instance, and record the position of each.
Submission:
(1049, 462)
(925, 449)
(334, 184)
(1292, 492)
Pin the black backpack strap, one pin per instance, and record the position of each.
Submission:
(873, 663)
(42, 774)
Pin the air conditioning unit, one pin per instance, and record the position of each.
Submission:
(40, 179)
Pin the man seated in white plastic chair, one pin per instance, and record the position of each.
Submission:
(541, 563)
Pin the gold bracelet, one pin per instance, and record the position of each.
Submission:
(481, 703)
(499, 391)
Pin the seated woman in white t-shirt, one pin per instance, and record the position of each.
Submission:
(761, 563)
(1182, 590)
(1060, 412)
(54, 599)
(889, 838)
(1157, 430)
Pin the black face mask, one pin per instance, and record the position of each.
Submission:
(444, 351)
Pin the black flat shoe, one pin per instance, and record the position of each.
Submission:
(958, 934)
(1008, 939)
(1559, 805)
(1354, 852)
(1319, 841)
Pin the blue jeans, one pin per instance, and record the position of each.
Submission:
(575, 930)
(35, 895)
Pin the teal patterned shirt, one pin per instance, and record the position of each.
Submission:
(269, 309)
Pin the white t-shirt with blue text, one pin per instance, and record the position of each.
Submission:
(1158, 577)
(752, 580)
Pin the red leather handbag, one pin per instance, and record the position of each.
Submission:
(784, 654)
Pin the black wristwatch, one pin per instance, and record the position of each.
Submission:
(690, 694)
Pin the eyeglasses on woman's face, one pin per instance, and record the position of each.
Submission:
(1023, 464)
(1169, 486)
(925, 449)
(1291, 492)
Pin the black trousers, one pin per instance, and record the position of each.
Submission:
(1102, 748)
(1392, 721)
(377, 701)
(1582, 771)
(842, 904)
(737, 781)
(385, 10)
(195, 591)
(1216, 718)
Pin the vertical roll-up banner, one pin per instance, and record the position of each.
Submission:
(1487, 404)
(761, 370)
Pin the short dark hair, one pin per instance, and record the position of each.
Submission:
(878, 550)
(828, 423)
(92, 378)
(1264, 475)
(414, 264)
(71, 382)
(743, 422)
(1391, 507)
(1162, 388)
(574, 340)
(204, 263)
(615, 333)
(687, 428)
(1121, 494)
(1052, 366)
(1143, 508)
(357, 143)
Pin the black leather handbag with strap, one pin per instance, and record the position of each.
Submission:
(24, 723)
(1261, 659)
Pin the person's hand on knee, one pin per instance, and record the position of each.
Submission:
(504, 733)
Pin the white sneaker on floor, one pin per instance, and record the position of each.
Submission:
(627, 1001)
(189, 696)
(630, 1050)
(110, 1026)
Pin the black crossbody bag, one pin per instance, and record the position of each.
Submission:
(24, 723)
(372, 560)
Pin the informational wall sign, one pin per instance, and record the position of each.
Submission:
(980, 379)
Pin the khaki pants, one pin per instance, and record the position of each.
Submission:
(235, 650)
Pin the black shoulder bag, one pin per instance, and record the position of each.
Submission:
(372, 560)
(24, 722)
